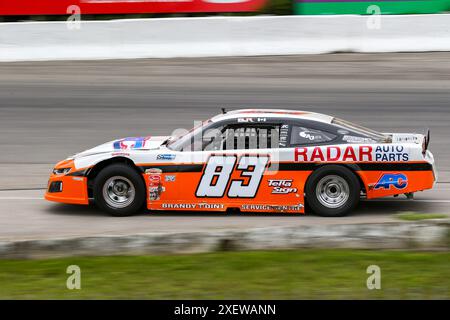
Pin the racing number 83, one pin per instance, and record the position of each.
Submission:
(218, 171)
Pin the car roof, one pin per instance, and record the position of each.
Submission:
(274, 113)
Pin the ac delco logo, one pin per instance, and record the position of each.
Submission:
(396, 180)
(333, 153)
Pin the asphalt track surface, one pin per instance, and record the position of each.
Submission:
(50, 110)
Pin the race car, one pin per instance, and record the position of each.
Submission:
(249, 160)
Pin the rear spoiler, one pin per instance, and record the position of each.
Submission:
(426, 141)
(427, 138)
(419, 138)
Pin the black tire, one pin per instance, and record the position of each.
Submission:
(124, 178)
(329, 199)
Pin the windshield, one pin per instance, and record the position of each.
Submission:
(177, 142)
(378, 136)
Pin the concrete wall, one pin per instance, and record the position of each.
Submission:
(402, 235)
(222, 36)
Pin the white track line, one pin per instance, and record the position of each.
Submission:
(21, 198)
(377, 200)
(406, 201)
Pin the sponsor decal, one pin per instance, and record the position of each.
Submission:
(210, 206)
(130, 143)
(301, 135)
(165, 157)
(116, 154)
(153, 170)
(307, 135)
(178, 205)
(334, 153)
(250, 120)
(354, 139)
(192, 206)
(391, 153)
(155, 187)
(282, 186)
(284, 130)
(169, 178)
(269, 207)
(385, 153)
(405, 138)
(154, 193)
(396, 180)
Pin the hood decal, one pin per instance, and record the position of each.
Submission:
(125, 145)
(131, 143)
(136, 143)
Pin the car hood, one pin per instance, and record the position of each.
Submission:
(126, 144)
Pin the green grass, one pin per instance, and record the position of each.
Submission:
(305, 274)
(414, 216)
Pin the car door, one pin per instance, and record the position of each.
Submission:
(240, 169)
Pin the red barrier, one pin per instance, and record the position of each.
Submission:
(62, 7)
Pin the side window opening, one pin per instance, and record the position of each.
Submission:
(301, 135)
(233, 137)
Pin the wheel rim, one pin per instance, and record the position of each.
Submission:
(118, 192)
(332, 191)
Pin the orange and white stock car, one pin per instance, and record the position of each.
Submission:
(252, 160)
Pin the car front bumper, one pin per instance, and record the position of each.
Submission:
(67, 188)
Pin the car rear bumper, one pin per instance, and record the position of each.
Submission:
(430, 159)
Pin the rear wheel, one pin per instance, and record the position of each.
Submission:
(119, 190)
(332, 191)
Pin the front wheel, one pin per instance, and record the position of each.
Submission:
(332, 191)
(119, 190)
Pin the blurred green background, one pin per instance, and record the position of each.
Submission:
(297, 274)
